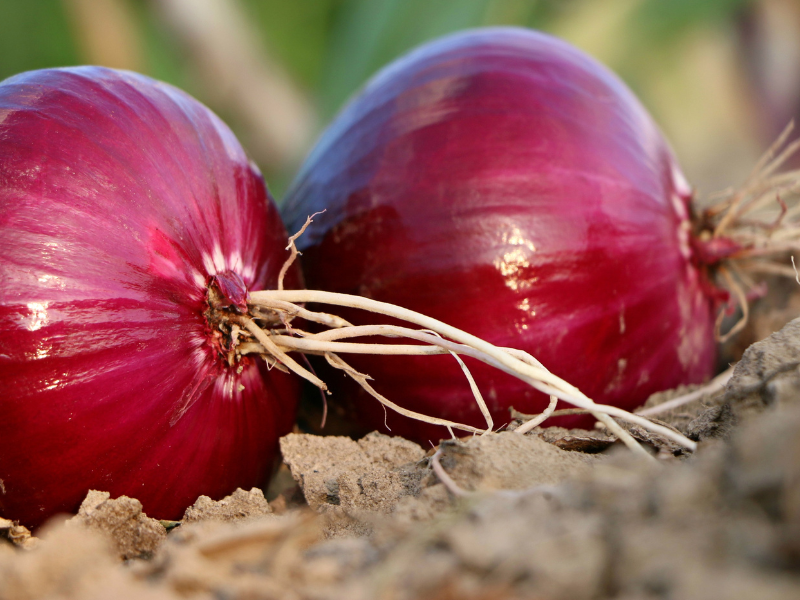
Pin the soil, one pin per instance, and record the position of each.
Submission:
(552, 514)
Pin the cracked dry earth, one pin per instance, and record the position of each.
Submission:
(553, 514)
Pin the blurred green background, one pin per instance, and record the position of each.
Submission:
(722, 77)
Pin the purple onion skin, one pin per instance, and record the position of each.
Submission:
(507, 184)
(120, 198)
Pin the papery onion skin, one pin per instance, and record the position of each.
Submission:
(507, 184)
(120, 200)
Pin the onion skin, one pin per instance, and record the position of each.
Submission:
(507, 184)
(121, 199)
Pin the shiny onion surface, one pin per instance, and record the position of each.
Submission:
(122, 200)
(505, 183)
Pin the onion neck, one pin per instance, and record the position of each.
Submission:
(226, 309)
(747, 233)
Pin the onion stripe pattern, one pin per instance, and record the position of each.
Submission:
(122, 200)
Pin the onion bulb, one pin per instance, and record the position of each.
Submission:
(130, 217)
(507, 184)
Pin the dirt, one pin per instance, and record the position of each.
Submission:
(132, 533)
(553, 514)
(236, 507)
(369, 474)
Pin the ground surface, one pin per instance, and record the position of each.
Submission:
(553, 514)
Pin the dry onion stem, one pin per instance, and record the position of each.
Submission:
(760, 222)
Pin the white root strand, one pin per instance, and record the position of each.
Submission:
(279, 354)
(293, 310)
(311, 345)
(445, 478)
(540, 418)
(361, 379)
(476, 393)
(293, 253)
(613, 411)
(712, 387)
(534, 376)
(600, 411)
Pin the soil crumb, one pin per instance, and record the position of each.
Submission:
(72, 563)
(237, 506)
(18, 535)
(133, 533)
(768, 374)
(509, 461)
(371, 474)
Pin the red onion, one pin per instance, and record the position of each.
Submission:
(507, 184)
(126, 207)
